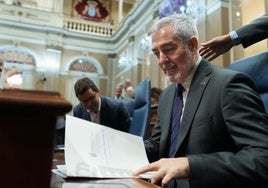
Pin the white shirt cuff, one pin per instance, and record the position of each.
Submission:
(235, 38)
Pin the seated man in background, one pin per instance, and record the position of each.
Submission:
(99, 109)
(118, 93)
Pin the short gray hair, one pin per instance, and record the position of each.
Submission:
(184, 27)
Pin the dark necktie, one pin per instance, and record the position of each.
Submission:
(175, 126)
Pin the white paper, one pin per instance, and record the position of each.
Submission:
(93, 150)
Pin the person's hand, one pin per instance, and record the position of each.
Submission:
(166, 169)
(216, 47)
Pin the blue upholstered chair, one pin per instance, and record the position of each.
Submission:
(256, 67)
(139, 109)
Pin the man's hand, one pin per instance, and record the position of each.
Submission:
(166, 169)
(216, 47)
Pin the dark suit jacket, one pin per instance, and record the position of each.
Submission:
(113, 113)
(253, 32)
(224, 130)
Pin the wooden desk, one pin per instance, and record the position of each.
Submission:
(27, 129)
(58, 182)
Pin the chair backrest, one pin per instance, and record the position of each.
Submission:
(130, 105)
(139, 109)
(256, 67)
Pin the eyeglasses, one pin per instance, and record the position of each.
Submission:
(91, 98)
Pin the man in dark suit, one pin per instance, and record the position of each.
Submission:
(118, 93)
(223, 134)
(99, 109)
(246, 35)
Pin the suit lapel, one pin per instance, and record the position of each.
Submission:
(198, 85)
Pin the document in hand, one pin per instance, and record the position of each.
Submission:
(93, 150)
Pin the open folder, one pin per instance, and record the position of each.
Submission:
(96, 151)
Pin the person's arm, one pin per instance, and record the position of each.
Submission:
(253, 32)
(246, 35)
(216, 47)
(247, 164)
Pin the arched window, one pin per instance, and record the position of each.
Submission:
(83, 65)
(16, 55)
(12, 60)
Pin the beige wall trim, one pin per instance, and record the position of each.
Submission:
(215, 6)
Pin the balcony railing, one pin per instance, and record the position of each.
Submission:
(89, 27)
(39, 17)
